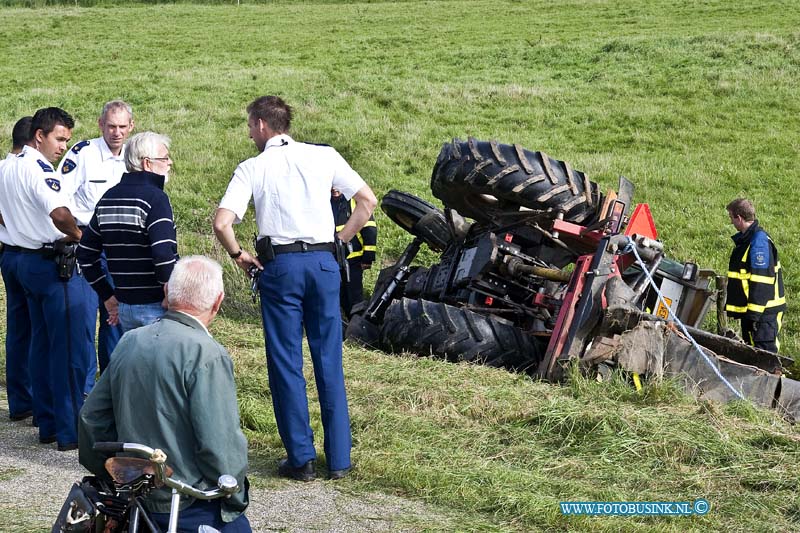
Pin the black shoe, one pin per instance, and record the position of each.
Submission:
(68, 447)
(339, 474)
(21, 416)
(47, 440)
(299, 473)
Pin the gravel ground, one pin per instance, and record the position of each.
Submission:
(35, 479)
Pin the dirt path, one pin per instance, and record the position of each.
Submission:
(35, 479)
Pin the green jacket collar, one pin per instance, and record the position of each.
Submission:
(186, 320)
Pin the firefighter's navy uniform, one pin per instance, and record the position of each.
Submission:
(755, 288)
(362, 255)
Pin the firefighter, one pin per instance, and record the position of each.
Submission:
(363, 251)
(755, 280)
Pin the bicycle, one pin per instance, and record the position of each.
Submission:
(95, 506)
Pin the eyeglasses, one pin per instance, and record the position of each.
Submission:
(168, 158)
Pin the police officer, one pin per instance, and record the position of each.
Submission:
(88, 170)
(755, 279)
(20, 136)
(290, 183)
(39, 225)
(18, 325)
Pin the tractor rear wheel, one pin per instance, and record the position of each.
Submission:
(487, 180)
(440, 330)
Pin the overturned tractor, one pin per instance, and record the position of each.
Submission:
(551, 271)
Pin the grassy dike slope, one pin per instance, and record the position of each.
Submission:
(695, 102)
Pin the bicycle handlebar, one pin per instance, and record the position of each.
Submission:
(226, 484)
(108, 447)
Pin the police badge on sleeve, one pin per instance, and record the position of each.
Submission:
(68, 166)
(53, 183)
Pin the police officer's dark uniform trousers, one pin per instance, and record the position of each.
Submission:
(61, 313)
(301, 289)
(18, 338)
(755, 288)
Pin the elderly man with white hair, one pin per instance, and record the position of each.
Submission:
(170, 385)
(133, 224)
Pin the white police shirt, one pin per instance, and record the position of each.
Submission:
(290, 183)
(87, 171)
(29, 191)
(4, 238)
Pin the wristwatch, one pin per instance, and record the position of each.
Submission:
(236, 255)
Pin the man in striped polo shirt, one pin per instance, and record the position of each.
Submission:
(133, 224)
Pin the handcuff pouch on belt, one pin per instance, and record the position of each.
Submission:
(264, 250)
(63, 253)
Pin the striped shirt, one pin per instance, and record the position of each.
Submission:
(133, 224)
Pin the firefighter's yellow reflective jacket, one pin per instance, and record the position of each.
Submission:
(755, 279)
(364, 243)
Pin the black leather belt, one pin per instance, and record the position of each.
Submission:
(301, 246)
(38, 251)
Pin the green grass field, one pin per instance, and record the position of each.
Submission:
(696, 102)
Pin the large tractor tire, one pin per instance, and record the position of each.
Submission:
(487, 180)
(434, 328)
(418, 217)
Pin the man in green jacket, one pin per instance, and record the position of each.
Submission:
(170, 385)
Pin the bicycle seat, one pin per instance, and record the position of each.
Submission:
(124, 470)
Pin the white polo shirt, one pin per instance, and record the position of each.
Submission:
(290, 183)
(87, 171)
(29, 191)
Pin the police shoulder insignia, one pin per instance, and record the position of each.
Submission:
(46, 167)
(53, 183)
(68, 166)
(79, 146)
(760, 259)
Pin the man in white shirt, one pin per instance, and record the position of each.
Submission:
(290, 183)
(20, 136)
(18, 325)
(60, 302)
(88, 170)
